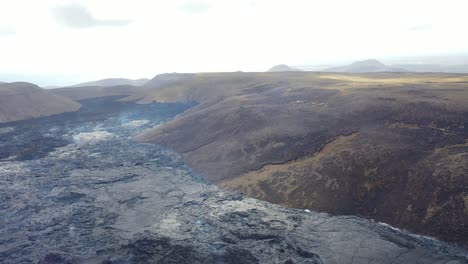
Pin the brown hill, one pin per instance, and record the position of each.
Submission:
(21, 100)
(392, 147)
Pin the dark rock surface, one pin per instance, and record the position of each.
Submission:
(99, 197)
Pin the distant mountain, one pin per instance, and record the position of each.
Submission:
(282, 68)
(457, 68)
(113, 82)
(167, 78)
(21, 100)
(377, 66)
(83, 92)
(80, 93)
(365, 66)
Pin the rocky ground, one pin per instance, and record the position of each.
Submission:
(76, 188)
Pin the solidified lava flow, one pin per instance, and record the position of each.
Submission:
(76, 188)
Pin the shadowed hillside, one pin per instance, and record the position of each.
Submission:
(388, 146)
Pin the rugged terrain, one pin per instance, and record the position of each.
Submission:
(75, 188)
(21, 100)
(387, 146)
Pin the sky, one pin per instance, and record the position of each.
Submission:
(61, 42)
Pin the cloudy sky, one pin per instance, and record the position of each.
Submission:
(58, 42)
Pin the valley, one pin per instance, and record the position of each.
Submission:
(78, 189)
(386, 146)
(233, 132)
(320, 152)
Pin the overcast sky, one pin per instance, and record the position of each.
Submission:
(58, 42)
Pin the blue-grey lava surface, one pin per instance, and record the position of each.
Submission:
(76, 188)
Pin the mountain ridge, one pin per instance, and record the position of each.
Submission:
(365, 66)
(85, 92)
(112, 82)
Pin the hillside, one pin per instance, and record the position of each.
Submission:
(113, 82)
(389, 146)
(80, 93)
(21, 100)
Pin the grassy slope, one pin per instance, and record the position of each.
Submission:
(387, 146)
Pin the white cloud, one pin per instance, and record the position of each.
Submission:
(195, 6)
(423, 27)
(78, 16)
(7, 32)
(218, 35)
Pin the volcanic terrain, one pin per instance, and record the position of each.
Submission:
(387, 146)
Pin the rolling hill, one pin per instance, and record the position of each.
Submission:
(80, 93)
(21, 100)
(113, 82)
